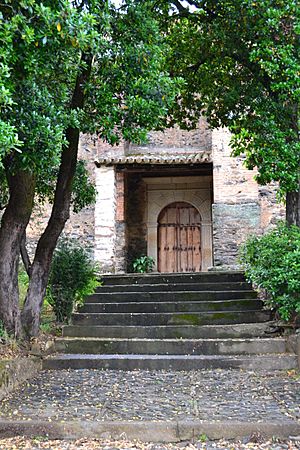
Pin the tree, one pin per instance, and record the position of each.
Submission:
(240, 60)
(71, 67)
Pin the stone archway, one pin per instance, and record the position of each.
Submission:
(193, 190)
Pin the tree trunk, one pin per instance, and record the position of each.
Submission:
(293, 198)
(293, 207)
(60, 213)
(47, 242)
(13, 225)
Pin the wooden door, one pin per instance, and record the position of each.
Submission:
(179, 238)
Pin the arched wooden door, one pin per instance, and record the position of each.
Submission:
(179, 238)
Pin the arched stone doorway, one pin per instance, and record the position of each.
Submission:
(196, 191)
(179, 238)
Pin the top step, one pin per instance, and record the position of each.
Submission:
(163, 278)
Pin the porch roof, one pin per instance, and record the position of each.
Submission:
(157, 159)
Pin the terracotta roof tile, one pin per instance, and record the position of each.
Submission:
(179, 158)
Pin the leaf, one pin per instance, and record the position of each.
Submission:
(58, 26)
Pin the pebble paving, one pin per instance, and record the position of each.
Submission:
(253, 443)
(98, 395)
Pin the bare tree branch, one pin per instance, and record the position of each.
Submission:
(179, 6)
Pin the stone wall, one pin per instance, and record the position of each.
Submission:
(120, 224)
(13, 372)
(175, 140)
(240, 206)
(105, 219)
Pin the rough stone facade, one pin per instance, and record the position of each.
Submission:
(175, 140)
(240, 206)
(118, 228)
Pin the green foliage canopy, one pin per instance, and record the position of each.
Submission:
(128, 91)
(240, 59)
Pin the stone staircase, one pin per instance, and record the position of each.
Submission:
(174, 322)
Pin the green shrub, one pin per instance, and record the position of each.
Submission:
(143, 264)
(73, 276)
(272, 263)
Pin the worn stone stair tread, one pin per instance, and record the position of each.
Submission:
(228, 326)
(212, 273)
(160, 274)
(168, 285)
(172, 296)
(157, 431)
(171, 340)
(244, 330)
(163, 292)
(168, 302)
(131, 362)
(67, 356)
(176, 313)
(173, 318)
(170, 305)
(155, 277)
(215, 285)
(172, 346)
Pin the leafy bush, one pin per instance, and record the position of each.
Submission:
(73, 276)
(272, 263)
(143, 264)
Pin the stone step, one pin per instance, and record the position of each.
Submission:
(171, 362)
(167, 287)
(171, 346)
(177, 296)
(242, 330)
(144, 307)
(185, 277)
(172, 322)
(178, 318)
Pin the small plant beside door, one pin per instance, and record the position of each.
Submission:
(144, 264)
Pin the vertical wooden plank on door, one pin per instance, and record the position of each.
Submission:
(171, 239)
(197, 241)
(190, 251)
(183, 224)
(160, 266)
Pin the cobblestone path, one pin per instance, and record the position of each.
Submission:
(251, 443)
(215, 395)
